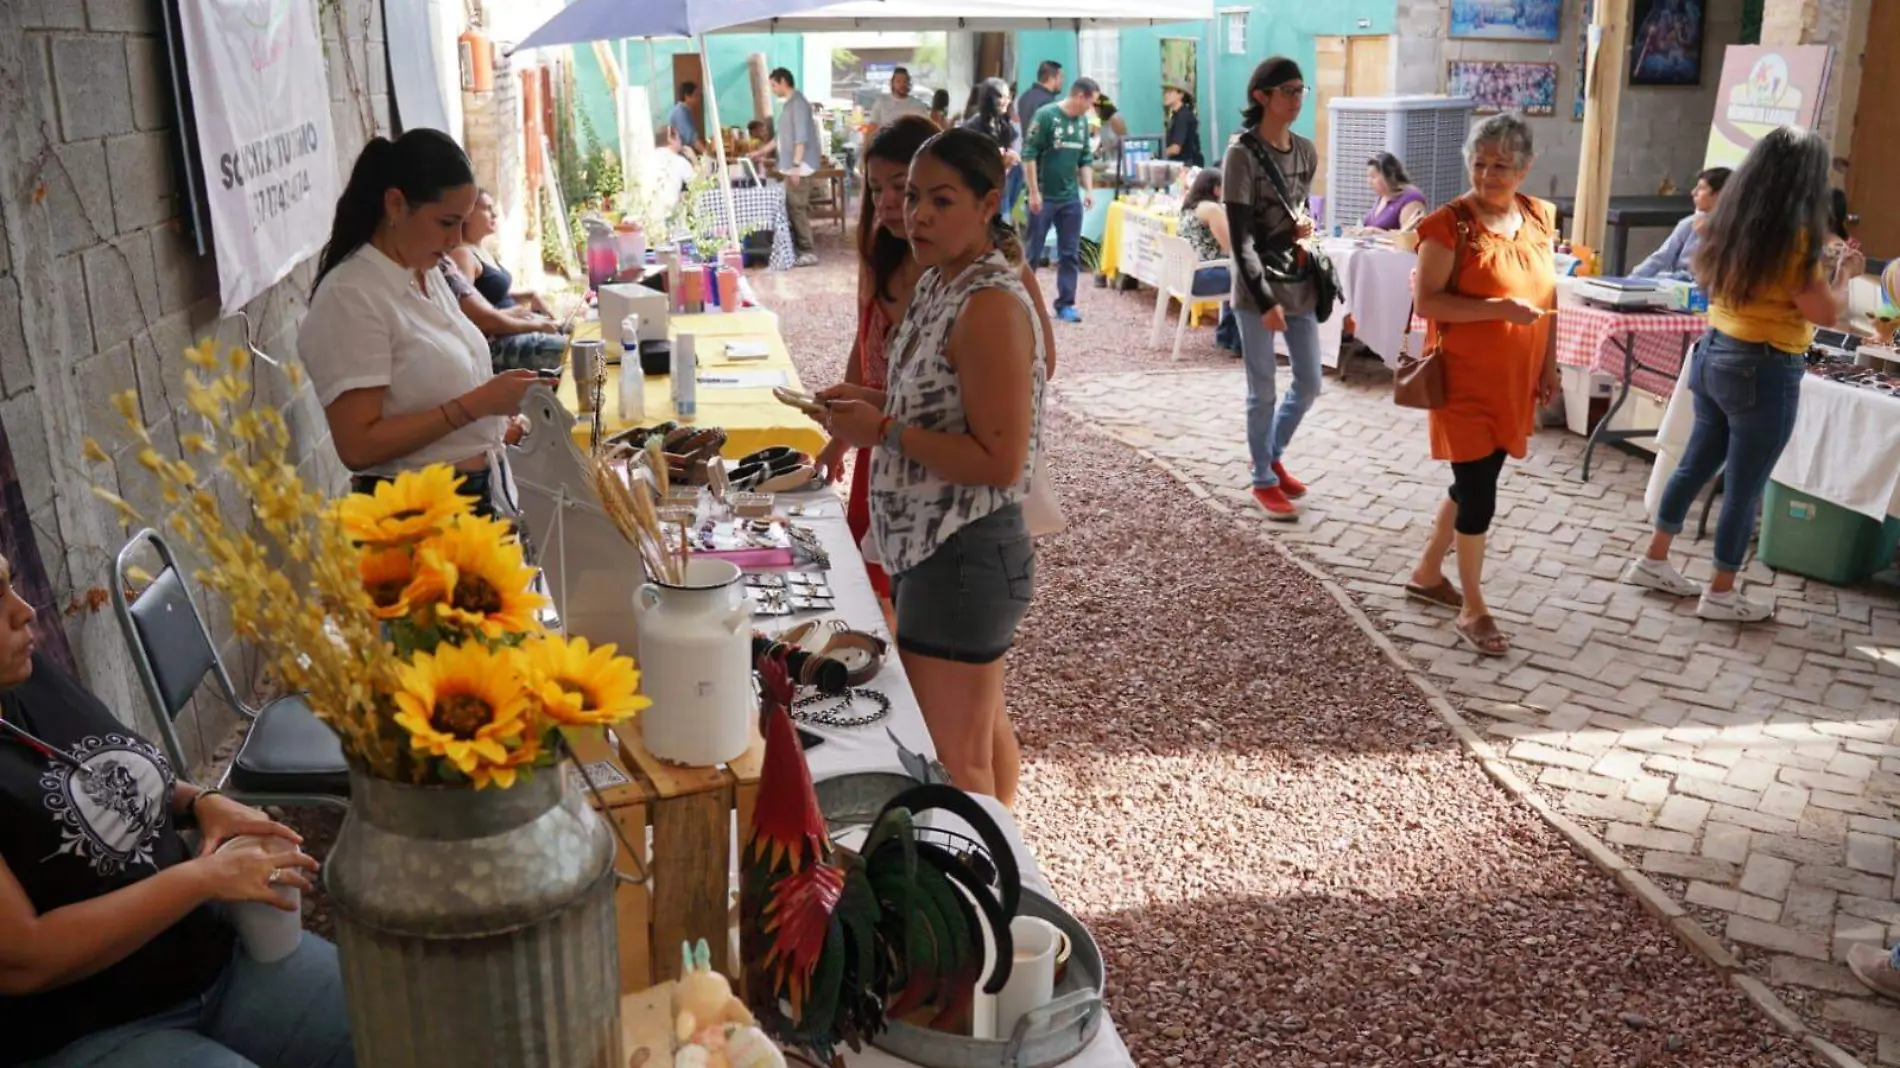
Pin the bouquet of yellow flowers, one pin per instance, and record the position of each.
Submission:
(408, 620)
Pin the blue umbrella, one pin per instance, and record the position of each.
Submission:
(584, 21)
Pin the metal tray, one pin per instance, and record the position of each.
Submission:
(1046, 1036)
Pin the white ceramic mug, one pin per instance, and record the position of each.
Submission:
(268, 932)
(1032, 976)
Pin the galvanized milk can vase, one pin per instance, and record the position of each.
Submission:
(472, 884)
(476, 927)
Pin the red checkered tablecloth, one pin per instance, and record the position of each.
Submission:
(1593, 337)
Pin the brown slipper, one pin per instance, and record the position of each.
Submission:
(1444, 595)
(1481, 634)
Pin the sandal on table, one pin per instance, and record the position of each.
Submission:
(861, 654)
(1482, 635)
(1444, 594)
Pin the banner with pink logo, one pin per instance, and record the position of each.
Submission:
(262, 104)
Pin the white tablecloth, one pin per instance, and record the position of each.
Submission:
(1378, 293)
(1845, 448)
(869, 748)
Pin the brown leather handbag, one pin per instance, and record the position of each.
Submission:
(1419, 381)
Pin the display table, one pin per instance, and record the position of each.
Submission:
(1377, 284)
(1845, 448)
(760, 207)
(751, 417)
(1644, 350)
(1130, 246)
(869, 749)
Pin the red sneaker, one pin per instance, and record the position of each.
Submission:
(1273, 501)
(1292, 487)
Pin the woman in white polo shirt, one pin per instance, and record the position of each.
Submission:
(403, 376)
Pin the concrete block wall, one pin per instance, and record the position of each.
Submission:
(492, 133)
(1661, 130)
(101, 290)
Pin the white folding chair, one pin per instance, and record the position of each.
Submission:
(1178, 265)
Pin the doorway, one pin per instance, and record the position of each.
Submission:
(686, 68)
(1874, 152)
(1348, 67)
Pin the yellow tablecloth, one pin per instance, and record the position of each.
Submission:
(751, 417)
(1111, 254)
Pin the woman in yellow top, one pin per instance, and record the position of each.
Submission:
(1772, 272)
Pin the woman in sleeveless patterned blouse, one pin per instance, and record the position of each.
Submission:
(956, 433)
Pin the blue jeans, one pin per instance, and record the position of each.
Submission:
(1012, 192)
(1746, 396)
(1269, 430)
(1066, 217)
(287, 1014)
(1219, 282)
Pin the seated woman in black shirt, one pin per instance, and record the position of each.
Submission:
(114, 950)
(520, 331)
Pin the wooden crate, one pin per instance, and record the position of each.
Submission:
(688, 814)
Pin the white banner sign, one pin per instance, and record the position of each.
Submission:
(262, 104)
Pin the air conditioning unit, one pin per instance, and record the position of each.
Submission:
(1427, 133)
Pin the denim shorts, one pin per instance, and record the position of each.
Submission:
(965, 601)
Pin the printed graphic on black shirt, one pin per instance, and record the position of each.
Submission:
(110, 814)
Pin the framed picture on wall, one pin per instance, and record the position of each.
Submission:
(1585, 12)
(1507, 20)
(1666, 42)
(1530, 88)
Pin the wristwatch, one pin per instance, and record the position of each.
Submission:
(894, 437)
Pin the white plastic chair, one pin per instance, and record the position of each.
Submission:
(1178, 265)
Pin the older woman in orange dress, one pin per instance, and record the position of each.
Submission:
(1499, 349)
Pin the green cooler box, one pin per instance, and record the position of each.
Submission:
(1809, 536)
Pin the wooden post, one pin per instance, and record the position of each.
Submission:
(1602, 99)
(761, 95)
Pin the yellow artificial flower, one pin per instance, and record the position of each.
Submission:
(389, 577)
(409, 508)
(468, 705)
(475, 572)
(583, 686)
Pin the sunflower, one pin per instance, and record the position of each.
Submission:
(475, 571)
(469, 706)
(581, 685)
(409, 508)
(389, 577)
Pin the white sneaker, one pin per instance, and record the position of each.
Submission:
(1732, 607)
(806, 259)
(1661, 576)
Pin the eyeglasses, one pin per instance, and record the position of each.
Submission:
(1294, 91)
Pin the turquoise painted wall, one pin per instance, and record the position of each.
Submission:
(727, 54)
(1276, 27)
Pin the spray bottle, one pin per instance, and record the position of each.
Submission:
(633, 381)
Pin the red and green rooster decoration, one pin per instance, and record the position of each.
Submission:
(836, 942)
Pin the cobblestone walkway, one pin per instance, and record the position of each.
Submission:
(1753, 773)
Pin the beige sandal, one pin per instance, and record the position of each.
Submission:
(1482, 635)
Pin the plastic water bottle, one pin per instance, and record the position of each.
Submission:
(685, 377)
(633, 382)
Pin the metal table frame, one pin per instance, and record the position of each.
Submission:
(1602, 432)
(1625, 214)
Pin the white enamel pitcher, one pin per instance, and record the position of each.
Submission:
(696, 665)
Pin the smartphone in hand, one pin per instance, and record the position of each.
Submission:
(802, 401)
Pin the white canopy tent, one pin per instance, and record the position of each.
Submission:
(586, 21)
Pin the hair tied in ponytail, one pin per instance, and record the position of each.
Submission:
(422, 164)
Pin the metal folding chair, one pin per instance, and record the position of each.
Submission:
(289, 757)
